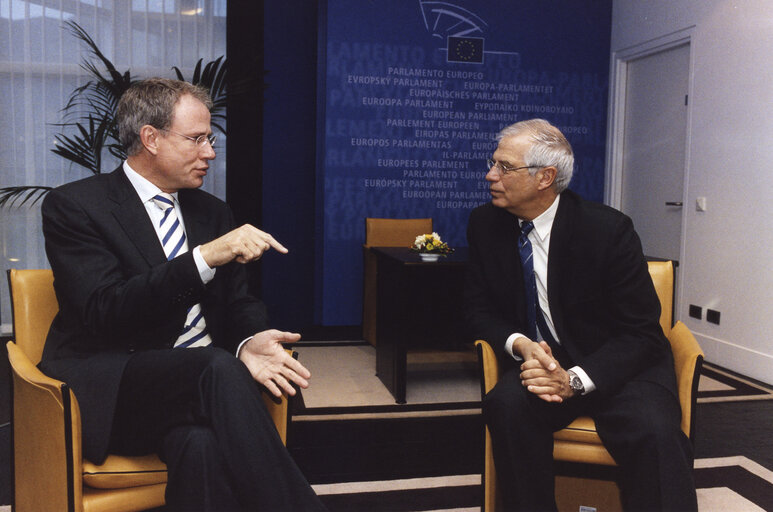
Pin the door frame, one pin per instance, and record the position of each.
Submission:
(613, 190)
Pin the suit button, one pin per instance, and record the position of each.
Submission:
(132, 350)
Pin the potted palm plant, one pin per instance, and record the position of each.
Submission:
(91, 107)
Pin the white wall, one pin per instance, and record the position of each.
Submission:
(727, 261)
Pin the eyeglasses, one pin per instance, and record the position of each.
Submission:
(199, 141)
(504, 169)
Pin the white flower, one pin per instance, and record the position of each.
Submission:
(430, 242)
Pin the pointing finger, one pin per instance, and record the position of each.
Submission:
(276, 245)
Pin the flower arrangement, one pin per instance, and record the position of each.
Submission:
(430, 244)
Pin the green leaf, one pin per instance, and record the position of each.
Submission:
(213, 78)
(90, 112)
(18, 196)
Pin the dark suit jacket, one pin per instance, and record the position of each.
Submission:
(602, 300)
(118, 294)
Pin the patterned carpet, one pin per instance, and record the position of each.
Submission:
(363, 452)
(734, 484)
(719, 385)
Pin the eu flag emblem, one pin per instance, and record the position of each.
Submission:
(465, 49)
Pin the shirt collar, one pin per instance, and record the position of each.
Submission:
(145, 189)
(543, 223)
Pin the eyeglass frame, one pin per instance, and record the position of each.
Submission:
(503, 171)
(199, 141)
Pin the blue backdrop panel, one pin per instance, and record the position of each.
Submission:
(412, 94)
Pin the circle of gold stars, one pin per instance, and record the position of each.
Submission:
(465, 50)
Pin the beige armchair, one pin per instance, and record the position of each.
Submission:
(50, 471)
(579, 441)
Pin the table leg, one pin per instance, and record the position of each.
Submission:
(391, 358)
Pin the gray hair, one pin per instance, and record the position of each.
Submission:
(549, 148)
(151, 102)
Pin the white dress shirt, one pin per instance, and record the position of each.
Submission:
(147, 190)
(540, 244)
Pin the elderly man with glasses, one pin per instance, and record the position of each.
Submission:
(157, 333)
(560, 288)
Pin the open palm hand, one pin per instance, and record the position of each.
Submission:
(271, 365)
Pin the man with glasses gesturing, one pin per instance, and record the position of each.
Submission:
(157, 333)
(560, 288)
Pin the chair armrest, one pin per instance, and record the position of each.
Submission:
(46, 434)
(688, 361)
(489, 366)
(279, 408)
(29, 373)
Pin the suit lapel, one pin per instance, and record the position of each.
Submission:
(505, 249)
(559, 261)
(130, 213)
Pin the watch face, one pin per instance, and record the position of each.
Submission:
(575, 383)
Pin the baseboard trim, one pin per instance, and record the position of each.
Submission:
(743, 360)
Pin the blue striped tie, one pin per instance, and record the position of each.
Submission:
(529, 283)
(534, 315)
(172, 234)
(173, 239)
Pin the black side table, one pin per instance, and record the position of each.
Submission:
(419, 306)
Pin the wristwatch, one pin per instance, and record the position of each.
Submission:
(576, 383)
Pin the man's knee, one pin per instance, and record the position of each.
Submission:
(226, 387)
(219, 365)
(507, 400)
(205, 357)
(220, 360)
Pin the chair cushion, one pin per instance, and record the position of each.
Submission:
(119, 472)
(579, 442)
(581, 430)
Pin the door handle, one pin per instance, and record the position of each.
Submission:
(673, 203)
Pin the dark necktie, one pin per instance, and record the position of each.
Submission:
(529, 283)
(534, 315)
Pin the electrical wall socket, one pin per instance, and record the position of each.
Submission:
(712, 316)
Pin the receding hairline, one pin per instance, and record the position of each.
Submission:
(180, 100)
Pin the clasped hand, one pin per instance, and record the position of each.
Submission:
(244, 244)
(541, 373)
(271, 365)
